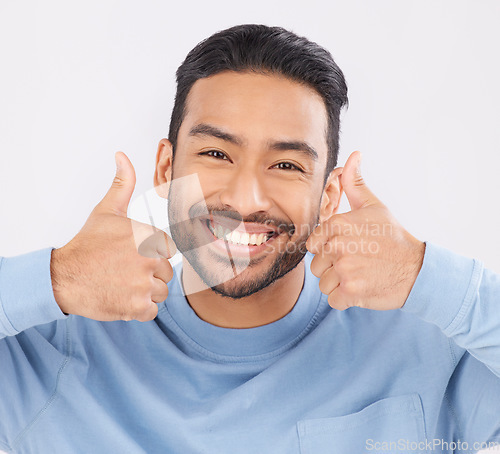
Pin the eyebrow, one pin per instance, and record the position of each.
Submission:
(204, 129)
(295, 145)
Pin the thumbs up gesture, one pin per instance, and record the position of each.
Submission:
(364, 257)
(114, 268)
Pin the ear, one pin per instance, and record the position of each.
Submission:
(163, 168)
(332, 193)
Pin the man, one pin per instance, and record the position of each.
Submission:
(250, 349)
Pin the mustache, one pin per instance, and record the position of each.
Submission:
(276, 223)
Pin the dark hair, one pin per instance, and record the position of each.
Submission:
(264, 49)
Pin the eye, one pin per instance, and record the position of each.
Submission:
(288, 166)
(214, 153)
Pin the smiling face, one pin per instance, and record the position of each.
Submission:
(257, 144)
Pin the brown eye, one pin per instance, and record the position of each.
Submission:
(288, 166)
(214, 153)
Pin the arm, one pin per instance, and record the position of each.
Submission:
(399, 272)
(33, 345)
(99, 274)
(366, 258)
(82, 277)
(463, 299)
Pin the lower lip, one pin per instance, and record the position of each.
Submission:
(237, 250)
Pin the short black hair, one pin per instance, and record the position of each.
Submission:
(264, 49)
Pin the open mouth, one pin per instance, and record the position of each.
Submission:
(240, 238)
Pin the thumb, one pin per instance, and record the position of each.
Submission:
(118, 196)
(355, 188)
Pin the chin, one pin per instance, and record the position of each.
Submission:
(253, 281)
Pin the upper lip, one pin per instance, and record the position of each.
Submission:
(242, 227)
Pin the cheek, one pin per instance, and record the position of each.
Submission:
(293, 198)
(186, 197)
(302, 212)
(213, 181)
(270, 185)
(306, 227)
(194, 183)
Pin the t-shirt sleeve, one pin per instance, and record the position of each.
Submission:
(26, 294)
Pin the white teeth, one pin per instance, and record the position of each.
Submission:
(236, 237)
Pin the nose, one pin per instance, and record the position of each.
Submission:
(246, 193)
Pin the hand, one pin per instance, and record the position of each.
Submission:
(364, 258)
(114, 268)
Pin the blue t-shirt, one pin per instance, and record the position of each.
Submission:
(424, 378)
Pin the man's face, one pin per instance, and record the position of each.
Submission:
(257, 144)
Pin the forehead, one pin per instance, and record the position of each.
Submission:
(258, 107)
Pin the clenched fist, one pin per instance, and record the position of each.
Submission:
(364, 258)
(115, 268)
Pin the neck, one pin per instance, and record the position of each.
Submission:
(265, 306)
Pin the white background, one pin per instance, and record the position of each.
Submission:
(81, 80)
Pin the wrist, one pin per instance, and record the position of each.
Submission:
(59, 276)
(415, 263)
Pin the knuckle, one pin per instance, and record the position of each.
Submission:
(148, 315)
(126, 316)
(141, 308)
(324, 248)
(350, 287)
(349, 262)
(149, 266)
(335, 300)
(164, 268)
(160, 296)
(333, 246)
(140, 288)
(146, 285)
(344, 265)
(339, 266)
(315, 266)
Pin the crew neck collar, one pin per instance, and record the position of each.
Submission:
(265, 340)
